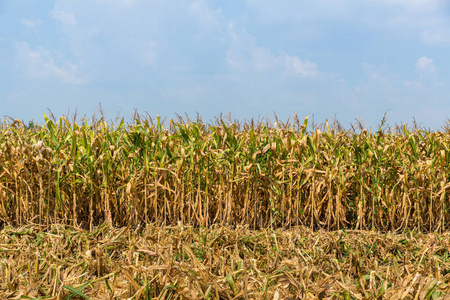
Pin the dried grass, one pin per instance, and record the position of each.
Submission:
(183, 262)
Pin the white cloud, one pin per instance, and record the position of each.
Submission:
(378, 74)
(31, 23)
(40, 64)
(209, 20)
(262, 59)
(67, 18)
(426, 64)
(415, 85)
(120, 3)
(244, 54)
(418, 5)
(303, 68)
(438, 36)
(292, 10)
(423, 19)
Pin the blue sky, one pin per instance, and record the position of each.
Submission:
(349, 59)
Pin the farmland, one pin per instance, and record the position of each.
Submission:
(252, 210)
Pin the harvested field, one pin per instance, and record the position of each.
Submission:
(182, 262)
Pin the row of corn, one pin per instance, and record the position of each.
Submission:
(255, 174)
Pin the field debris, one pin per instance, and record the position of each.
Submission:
(183, 262)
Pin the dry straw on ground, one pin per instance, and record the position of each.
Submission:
(183, 262)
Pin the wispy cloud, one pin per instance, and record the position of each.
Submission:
(119, 3)
(245, 54)
(303, 68)
(424, 19)
(67, 18)
(40, 64)
(416, 5)
(415, 85)
(426, 64)
(379, 74)
(31, 23)
(208, 19)
(437, 36)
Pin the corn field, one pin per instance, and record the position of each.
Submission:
(256, 174)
